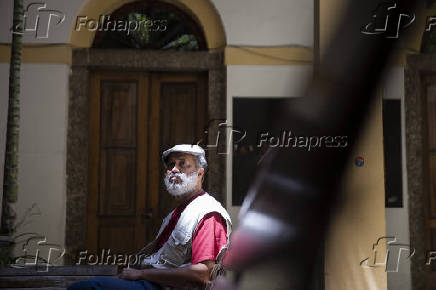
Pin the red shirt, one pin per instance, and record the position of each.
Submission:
(209, 237)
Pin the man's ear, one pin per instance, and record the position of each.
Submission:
(201, 172)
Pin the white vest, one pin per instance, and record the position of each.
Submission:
(177, 251)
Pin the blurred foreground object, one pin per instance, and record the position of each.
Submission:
(284, 217)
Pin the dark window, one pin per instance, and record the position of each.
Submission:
(254, 116)
(392, 153)
(149, 25)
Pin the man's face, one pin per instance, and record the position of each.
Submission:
(182, 175)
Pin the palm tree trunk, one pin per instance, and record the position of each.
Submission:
(10, 180)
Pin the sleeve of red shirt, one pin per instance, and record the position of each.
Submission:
(209, 237)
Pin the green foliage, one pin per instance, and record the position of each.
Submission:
(158, 29)
(142, 34)
(185, 42)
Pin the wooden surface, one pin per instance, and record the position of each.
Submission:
(117, 163)
(56, 277)
(179, 113)
(103, 270)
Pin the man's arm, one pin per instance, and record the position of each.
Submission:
(209, 238)
(196, 274)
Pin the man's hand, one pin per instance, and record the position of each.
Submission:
(188, 276)
(130, 274)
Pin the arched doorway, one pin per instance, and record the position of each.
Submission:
(130, 98)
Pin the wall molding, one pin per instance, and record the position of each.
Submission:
(233, 55)
(279, 55)
(61, 53)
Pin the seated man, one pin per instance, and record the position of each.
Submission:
(191, 237)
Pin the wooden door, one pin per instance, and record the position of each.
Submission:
(179, 113)
(133, 118)
(430, 162)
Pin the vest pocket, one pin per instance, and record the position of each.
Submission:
(179, 237)
(177, 250)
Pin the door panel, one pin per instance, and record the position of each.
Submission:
(133, 117)
(118, 113)
(116, 237)
(117, 162)
(117, 182)
(180, 100)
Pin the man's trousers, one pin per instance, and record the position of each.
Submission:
(112, 283)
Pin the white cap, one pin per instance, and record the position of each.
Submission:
(189, 149)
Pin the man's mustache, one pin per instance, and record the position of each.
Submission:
(175, 175)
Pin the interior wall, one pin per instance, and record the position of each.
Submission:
(267, 23)
(42, 148)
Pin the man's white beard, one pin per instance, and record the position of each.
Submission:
(187, 183)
